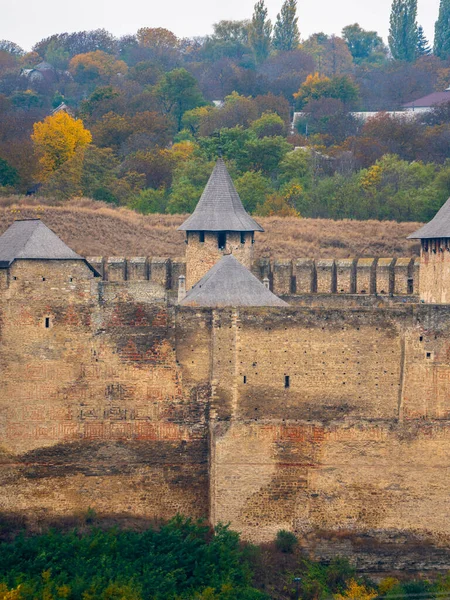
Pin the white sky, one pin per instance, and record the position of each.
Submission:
(28, 21)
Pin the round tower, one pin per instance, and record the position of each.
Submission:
(219, 225)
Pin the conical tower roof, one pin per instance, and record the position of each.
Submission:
(220, 208)
(438, 227)
(30, 239)
(229, 283)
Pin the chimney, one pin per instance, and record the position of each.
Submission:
(181, 288)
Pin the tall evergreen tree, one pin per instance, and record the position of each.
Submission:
(285, 33)
(442, 31)
(260, 32)
(403, 30)
(423, 45)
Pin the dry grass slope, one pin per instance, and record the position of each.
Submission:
(97, 229)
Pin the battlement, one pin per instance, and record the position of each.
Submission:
(363, 276)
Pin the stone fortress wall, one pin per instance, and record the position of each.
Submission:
(363, 276)
(328, 420)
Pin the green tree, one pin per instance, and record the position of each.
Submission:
(268, 124)
(403, 30)
(8, 174)
(423, 45)
(253, 189)
(286, 36)
(442, 31)
(363, 45)
(260, 32)
(178, 91)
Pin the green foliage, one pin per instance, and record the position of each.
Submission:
(260, 31)
(286, 36)
(403, 36)
(183, 559)
(8, 174)
(286, 541)
(178, 91)
(365, 46)
(269, 124)
(253, 189)
(423, 45)
(442, 31)
(315, 87)
(150, 201)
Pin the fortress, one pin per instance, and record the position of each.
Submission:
(312, 396)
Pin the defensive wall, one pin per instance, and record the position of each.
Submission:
(330, 418)
(365, 276)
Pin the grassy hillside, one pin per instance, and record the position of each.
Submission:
(94, 228)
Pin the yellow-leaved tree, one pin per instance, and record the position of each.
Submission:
(356, 591)
(56, 139)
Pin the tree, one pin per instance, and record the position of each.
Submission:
(253, 189)
(260, 32)
(8, 174)
(157, 37)
(230, 39)
(442, 31)
(403, 30)
(268, 124)
(93, 65)
(356, 591)
(286, 36)
(56, 139)
(316, 87)
(11, 48)
(363, 45)
(423, 45)
(177, 92)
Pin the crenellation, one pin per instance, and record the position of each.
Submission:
(385, 276)
(404, 283)
(366, 270)
(282, 277)
(304, 275)
(346, 276)
(159, 269)
(116, 268)
(326, 276)
(137, 268)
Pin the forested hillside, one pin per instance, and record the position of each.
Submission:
(138, 121)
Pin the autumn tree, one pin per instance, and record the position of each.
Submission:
(229, 39)
(316, 87)
(96, 65)
(442, 31)
(56, 140)
(403, 30)
(286, 36)
(260, 32)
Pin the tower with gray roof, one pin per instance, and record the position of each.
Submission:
(219, 225)
(434, 282)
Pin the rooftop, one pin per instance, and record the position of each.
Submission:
(438, 227)
(31, 239)
(430, 100)
(220, 208)
(229, 283)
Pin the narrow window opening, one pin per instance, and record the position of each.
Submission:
(242, 237)
(43, 279)
(222, 240)
(245, 378)
(70, 279)
(428, 354)
(421, 338)
(287, 382)
(201, 237)
(47, 322)
(410, 285)
(15, 278)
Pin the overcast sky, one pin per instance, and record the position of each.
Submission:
(28, 21)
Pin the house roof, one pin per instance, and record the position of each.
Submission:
(220, 208)
(229, 283)
(438, 227)
(430, 100)
(31, 239)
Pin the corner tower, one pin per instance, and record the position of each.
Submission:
(219, 225)
(434, 281)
